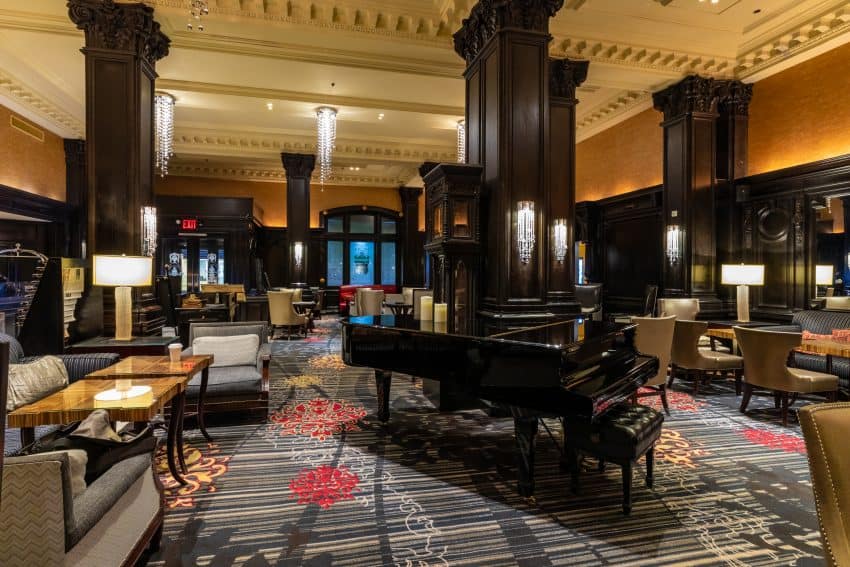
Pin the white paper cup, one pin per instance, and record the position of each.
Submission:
(174, 351)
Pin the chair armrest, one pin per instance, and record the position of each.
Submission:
(264, 356)
(79, 365)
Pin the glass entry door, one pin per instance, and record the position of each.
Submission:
(196, 260)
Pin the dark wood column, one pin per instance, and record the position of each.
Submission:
(299, 169)
(123, 44)
(76, 197)
(565, 76)
(413, 252)
(690, 173)
(505, 45)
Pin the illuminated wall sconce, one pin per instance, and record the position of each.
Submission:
(674, 244)
(559, 239)
(148, 231)
(461, 141)
(298, 254)
(525, 236)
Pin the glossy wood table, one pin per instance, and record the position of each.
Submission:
(76, 401)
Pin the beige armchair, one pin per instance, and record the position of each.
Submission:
(371, 302)
(654, 336)
(699, 363)
(765, 361)
(685, 309)
(825, 428)
(841, 303)
(358, 301)
(283, 314)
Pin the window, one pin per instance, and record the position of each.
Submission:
(362, 258)
(336, 261)
(335, 224)
(361, 247)
(388, 226)
(388, 275)
(362, 224)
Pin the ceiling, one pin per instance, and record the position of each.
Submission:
(390, 58)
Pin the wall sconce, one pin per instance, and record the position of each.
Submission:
(525, 230)
(148, 231)
(674, 244)
(298, 253)
(559, 239)
(461, 141)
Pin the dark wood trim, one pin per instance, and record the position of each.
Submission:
(31, 205)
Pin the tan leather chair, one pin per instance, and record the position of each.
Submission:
(685, 309)
(358, 295)
(654, 336)
(841, 303)
(371, 302)
(697, 362)
(283, 314)
(825, 428)
(766, 366)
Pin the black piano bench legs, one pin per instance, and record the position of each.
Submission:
(526, 430)
(383, 379)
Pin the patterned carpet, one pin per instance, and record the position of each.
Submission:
(323, 483)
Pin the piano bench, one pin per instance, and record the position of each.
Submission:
(622, 436)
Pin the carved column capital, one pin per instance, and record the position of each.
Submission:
(121, 27)
(298, 165)
(426, 168)
(409, 194)
(691, 94)
(490, 16)
(565, 76)
(735, 96)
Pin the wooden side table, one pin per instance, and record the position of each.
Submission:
(137, 346)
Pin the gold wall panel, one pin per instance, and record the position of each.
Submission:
(30, 164)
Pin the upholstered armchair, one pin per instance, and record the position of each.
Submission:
(282, 313)
(370, 302)
(839, 303)
(765, 360)
(825, 428)
(685, 309)
(654, 337)
(590, 298)
(700, 363)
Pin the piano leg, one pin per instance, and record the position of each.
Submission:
(525, 430)
(382, 384)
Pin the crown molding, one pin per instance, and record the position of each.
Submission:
(277, 175)
(312, 98)
(59, 121)
(612, 112)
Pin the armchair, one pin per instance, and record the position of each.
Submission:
(282, 313)
(370, 302)
(654, 336)
(688, 357)
(590, 298)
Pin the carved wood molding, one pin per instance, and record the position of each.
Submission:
(298, 165)
(278, 175)
(691, 94)
(121, 27)
(40, 104)
(565, 76)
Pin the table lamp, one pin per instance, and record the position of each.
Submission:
(122, 273)
(742, 275)
(823, 276)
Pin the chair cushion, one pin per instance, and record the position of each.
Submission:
(714, 360)
(30, 382)
(236, 350)
(16, 351)
(808, 381)
(626, 431)
(228, 381)
(816, 362)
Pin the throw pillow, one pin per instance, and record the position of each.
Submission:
(30, 382)
(78, 460)
(236, 350)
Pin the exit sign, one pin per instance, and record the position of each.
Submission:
(189, 224)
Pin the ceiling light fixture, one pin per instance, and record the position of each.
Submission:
(270, 105)
(164, 134)
(381, 116)
(197, 10)
(326, 138)
(461, 141)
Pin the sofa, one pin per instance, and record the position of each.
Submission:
(821, 322)
(233, 388)
(347, 292)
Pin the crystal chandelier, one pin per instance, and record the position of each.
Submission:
(148, 231)
(326, 129)
(559, 239)
(674, 244)
(197, 10)
(164, 135)
(525, 230)
(461, 141)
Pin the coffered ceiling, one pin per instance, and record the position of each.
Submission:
(248, 85)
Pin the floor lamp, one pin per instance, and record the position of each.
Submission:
(123, 273)
(742, 275)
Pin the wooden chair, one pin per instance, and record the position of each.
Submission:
(700, 363)
(654, 336)
(766, 366)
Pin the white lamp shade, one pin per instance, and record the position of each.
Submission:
(823, 274)
(120, 271)
(742, 274)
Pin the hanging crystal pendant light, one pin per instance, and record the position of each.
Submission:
(326, 138)
(461, 141)
(525, 233)
(148, 231)
(197, 10)
(164, 131)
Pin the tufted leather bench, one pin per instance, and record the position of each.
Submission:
(622, 436)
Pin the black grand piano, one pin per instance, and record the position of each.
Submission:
(573, 369)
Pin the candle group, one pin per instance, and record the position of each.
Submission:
(426, 308)
(441, 312)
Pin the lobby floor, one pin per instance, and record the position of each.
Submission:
(323, 483)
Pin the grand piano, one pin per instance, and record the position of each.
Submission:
(572, 369)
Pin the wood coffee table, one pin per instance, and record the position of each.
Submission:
(76, 401)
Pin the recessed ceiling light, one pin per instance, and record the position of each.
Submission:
(270, 105)
(381, 116)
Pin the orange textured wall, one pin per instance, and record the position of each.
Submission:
(801, 114)
(624, 158)
(29, 164)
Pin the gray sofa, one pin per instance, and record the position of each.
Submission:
(821, 322)
(243, 389)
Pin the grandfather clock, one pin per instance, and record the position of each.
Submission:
(453, 238)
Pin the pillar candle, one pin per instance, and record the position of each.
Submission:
(426, 308)
(441, 312)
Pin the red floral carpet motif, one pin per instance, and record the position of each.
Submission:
(324, 485)
(203, 470)
(782, 441)
(318, 418)
(681, 401)
(673, 448)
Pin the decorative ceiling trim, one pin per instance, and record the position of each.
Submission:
(200, 141)
(39, 104)
(603, 116)
(277, 175)
(313, 98)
